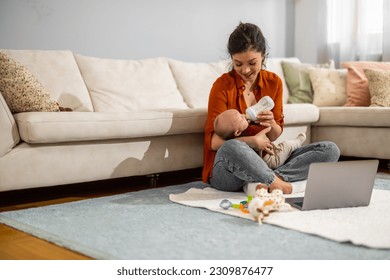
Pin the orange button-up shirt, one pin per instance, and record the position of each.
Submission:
(227, 93)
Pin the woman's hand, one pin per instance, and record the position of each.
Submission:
(266, 118)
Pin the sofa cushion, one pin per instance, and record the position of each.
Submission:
(21, 89)
(357, 83)
(354, 116)
(379, 86)
(9, 131)
(329, 86)
(130, 85)
(195, 80)
(89, 126)
(298, 80)
(59, 74)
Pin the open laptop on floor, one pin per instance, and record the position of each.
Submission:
(337, 185)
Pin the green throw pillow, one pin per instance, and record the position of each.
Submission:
(298, 80)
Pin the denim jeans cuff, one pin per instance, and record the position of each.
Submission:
(284, 178)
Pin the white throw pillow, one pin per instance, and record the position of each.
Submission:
(195, 80)
(298, 80)
(130, 85)
(329, 86)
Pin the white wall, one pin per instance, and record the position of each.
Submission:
(190, 30)
(310, 15)
(386, 32)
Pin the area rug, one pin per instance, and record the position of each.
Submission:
(146, 225)
(366, 226)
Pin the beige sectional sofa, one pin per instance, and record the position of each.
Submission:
(358, 131)
(143, 117)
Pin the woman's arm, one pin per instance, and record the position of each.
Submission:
(259, 141)
(274, 118)
(266, 119)
(216, 142)
(275, 132)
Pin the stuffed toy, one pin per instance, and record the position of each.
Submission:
(264, 202)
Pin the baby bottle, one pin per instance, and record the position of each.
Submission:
(265, 103)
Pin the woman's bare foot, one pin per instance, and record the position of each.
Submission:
(278, 183)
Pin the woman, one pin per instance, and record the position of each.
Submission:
(230, 164)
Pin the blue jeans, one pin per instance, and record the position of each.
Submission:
(236, 164)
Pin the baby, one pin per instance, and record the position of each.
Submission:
(231, 123)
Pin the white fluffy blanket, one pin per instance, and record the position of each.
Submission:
(367, 226)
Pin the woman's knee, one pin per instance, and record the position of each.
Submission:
(231, 147)
(331, 150)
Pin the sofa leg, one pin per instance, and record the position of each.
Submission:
(152, 179)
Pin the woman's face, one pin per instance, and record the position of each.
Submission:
(247, 65)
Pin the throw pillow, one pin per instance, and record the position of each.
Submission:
(298, 80)
(58, 72)
(329, 86)
(274, 64)
(358, 93)
(379, 86)
(21, 90)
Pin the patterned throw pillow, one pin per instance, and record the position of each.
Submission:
(379, 86)
(298, 80)
(329, 86)
(21, 89)
(358, 93)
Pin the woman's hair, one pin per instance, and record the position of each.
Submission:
(246, 37)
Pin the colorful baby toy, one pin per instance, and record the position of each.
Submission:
(261, 205)
(243, 205)
(264, 202)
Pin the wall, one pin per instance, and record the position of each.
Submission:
(386, 32)
(310, 36)
(135, 29)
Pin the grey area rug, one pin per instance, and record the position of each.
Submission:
(147, 225)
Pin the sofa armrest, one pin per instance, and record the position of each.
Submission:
(300, 113)
(9, 136)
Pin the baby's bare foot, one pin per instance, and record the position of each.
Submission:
(278, 183)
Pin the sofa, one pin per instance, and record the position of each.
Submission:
(141, 117)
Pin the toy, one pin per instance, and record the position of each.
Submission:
(243, 205)
(261, 204)
(264, 202)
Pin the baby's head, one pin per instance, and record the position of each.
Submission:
(230, 124)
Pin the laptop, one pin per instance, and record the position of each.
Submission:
(337, 185)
